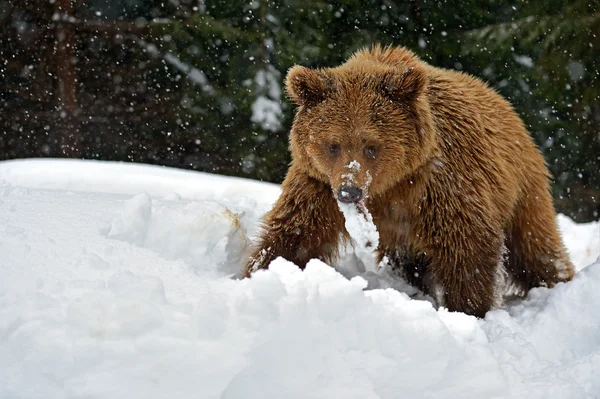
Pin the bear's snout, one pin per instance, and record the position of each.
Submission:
(349, 194)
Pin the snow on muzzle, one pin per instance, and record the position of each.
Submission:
(350, 191)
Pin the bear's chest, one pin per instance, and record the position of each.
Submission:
(394, 221)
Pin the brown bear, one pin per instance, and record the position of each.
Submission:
(455, 184)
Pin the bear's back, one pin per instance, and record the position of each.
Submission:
(477, 131)
(451, 94)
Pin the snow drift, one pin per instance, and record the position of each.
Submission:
(116, 283)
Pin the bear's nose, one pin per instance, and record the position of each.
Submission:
(349, 194)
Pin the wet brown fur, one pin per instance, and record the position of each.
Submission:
(458, 185)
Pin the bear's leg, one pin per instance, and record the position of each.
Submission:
(465, 257)
(467, 274)
(305, 223)
(412, 267)
(536, 254)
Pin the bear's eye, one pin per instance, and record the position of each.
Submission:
(334, 149)
(371, 151)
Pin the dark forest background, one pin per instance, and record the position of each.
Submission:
(197, 84)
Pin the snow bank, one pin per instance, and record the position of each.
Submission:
(121, 293)
(131, 179)
(582, 240)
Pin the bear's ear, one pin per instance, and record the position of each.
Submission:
(404, 87)
(307, 86)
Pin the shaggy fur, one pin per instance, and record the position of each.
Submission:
(455, 184)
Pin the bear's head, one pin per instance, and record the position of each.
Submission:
(362, 127)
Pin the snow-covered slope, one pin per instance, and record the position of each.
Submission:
(115, 282)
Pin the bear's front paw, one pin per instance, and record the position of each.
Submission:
(260, 260)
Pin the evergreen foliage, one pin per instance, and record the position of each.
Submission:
(198, 84)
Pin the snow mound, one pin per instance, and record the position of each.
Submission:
(326, 337)
(553, 338)
(207, 235)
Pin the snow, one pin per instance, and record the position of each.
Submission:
(195, 75)
(131, 179)
(266, 113)
(582, 240)
(524, 60)
(363, 232)
(117, 283)
(361, 229)
(266, 108)
(354, 166)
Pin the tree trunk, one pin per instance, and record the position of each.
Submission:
(70, 143)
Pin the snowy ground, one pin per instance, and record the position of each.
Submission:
(116, 283)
